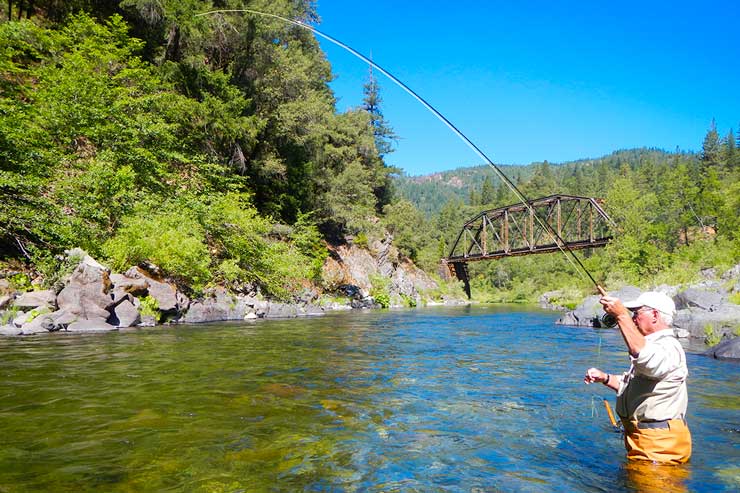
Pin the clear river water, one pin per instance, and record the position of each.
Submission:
(464, 399)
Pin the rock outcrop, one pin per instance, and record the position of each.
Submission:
(351, 271)
(703, 310)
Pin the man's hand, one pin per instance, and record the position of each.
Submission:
(613, 306)
(594, 375)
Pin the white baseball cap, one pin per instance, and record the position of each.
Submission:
(653, 299)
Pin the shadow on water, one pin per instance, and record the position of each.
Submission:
(437, 399)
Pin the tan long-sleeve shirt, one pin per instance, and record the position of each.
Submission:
(654, 388)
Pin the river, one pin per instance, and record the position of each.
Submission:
(463, 399)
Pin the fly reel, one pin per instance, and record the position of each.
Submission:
(608, 320)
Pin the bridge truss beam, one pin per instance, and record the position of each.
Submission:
(514, 230)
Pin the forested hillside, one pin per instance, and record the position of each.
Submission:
(211, 146)
(677, 213)
(208, 145)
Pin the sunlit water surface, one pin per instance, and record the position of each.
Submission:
(438, 399)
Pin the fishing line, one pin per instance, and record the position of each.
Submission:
(562, 246)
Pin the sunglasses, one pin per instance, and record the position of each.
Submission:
(637, 311)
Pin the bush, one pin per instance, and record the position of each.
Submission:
(380, 290)
(172, 240)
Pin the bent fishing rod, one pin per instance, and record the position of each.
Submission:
(562, 246)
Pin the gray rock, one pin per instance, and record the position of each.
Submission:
(9, 330)
(251, 316)
(699, 298)
(589, 312)
(311, 310)
(90, 325)
(86, 293)
(726, 350)
(681, 333)
(169, 300)
(722, 321)
(733, 273)
(125, 315)
(147, 321)
(5, 300)
(41, 324)
(35, 299)
(281, 310)
(20, 318)
(62, 318)
(364, 303)
(218, 305)
(130, 285)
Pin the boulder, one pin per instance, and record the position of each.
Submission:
(169, 300)
(722, 321)
(280, 310)
(125, 315)
(589, 312)
(5, 301)
(41, 324)
(9, 330)
(86, 292)
(35, 299)
(310, 310)
(63, 318)
(699, 298)
(726, 350)
(90, 325)
(218, 305)
(126, 288)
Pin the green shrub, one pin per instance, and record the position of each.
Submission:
(409, 301)
(711, 337)
(8, 315)
(36, 312)
(361, 240)
(735, 298)
(380, 290)
(149, 306)
(172, 240)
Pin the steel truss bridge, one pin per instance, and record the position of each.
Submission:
(519, 229)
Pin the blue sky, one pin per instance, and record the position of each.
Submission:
(533, 80)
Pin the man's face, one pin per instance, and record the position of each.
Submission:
(644, 317)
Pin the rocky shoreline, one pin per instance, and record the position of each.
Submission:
(704, 311)
(93, 299)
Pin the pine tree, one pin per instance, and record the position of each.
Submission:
(710, 149)
(730, 150)
(487, 192)
(384, 135)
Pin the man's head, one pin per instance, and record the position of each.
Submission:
(652, 311)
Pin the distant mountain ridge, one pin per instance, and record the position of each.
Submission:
(430, 192)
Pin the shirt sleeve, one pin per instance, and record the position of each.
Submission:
(657, 359)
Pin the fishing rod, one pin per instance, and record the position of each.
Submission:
(562, 246)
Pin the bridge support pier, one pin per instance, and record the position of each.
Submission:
(460, 269)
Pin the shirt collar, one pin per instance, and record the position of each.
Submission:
(659, 334)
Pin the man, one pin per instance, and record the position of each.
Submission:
(652, 395)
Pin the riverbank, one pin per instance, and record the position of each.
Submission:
(92, 298)
(706, 311)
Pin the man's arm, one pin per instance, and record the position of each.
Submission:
(634, 340)
(594, 375)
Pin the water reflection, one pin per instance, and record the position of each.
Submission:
(646, 477)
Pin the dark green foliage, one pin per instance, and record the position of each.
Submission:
(121, 119)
